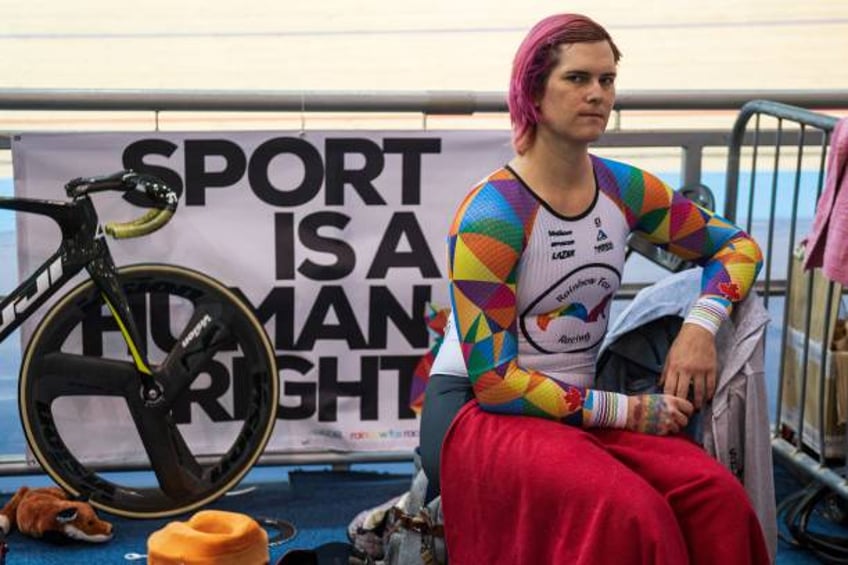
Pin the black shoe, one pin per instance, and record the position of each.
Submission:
(332, 553)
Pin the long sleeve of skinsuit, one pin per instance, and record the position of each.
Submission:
(531, 289)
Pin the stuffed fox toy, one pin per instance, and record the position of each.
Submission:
(48, 511)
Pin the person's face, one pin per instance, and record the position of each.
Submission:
(579, 93)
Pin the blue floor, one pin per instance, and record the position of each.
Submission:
(317, 501)
(787, 484)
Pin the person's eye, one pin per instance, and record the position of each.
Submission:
(607, 81)
(576, 79)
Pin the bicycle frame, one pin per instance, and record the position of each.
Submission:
(59, 360)
(83, 246)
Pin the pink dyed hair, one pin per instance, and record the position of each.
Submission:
(535, 58)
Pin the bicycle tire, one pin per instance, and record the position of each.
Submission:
(49, 373)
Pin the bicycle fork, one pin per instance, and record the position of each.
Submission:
(102, 270)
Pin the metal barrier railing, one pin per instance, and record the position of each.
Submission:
(445, 102)
(813, 130)
(427, 102)
(811, 442)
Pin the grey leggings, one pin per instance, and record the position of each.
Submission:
(444, 396)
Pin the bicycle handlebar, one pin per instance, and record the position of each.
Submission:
(163, 197)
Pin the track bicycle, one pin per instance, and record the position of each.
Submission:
(65, 358)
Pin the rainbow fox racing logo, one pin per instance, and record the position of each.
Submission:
(575, 310)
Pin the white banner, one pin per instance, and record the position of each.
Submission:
(337, 238)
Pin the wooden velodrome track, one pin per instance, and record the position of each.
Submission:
(415, 45)
(389, 45)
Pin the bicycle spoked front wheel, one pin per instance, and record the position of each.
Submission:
(85, 418)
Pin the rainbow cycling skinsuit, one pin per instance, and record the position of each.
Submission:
(531, 289)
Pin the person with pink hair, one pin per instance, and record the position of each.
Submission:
(533, 464)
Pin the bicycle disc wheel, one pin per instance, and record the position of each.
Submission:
(85, 418)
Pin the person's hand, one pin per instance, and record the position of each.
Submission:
(691, 363)
(657, 414)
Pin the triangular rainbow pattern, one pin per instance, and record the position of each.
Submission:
(485, 243)
(673, 222)
(436, 319)
(488, 235)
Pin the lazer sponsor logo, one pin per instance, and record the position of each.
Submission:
(196, 330)
(563, 254)
(31, 294)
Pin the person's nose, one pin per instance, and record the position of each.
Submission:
(594, 93)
